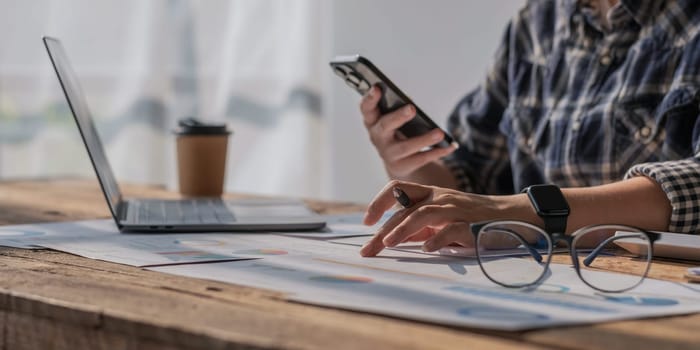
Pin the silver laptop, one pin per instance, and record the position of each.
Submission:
(186, 215)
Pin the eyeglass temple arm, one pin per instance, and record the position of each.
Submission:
(475, 228)
(533, 251)
(594, 254)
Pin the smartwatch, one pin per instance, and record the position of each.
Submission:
(550, 205)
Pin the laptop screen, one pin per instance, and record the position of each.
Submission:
(83, 118)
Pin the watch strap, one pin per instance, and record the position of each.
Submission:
(555, 223)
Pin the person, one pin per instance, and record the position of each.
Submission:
(601, 98)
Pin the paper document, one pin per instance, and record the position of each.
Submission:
(164, 249)
(446, 290)
(455, 251)
(22, 236)
(403, 282)
(142, 249)
(344, 225)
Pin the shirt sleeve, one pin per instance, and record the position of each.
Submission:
(680, 180)
(481, 163)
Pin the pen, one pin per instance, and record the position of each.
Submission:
(401, 197)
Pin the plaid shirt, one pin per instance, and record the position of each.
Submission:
(571, 103)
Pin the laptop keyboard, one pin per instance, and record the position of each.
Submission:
(190, 211)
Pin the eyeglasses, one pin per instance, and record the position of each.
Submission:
(516, 254)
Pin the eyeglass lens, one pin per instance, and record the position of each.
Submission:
(508, 253)
(604, 265)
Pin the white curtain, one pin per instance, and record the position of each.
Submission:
(257, 65)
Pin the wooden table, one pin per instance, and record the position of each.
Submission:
(55, 300)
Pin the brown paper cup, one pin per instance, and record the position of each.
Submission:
(201, 162)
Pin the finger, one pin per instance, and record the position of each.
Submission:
(368, 106)
(372, 247)
(375, 245)
(454, 233)
(420, 159)
(425, 216)
(425, 234)
(411, 146)
(387, 125)
(384, 200)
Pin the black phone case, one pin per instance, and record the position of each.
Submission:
(360, 74)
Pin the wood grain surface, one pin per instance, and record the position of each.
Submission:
(54, 300)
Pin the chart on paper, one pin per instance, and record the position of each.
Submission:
(445, 290)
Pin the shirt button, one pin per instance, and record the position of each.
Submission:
(576, 125)
(645, 132)
(605, 60)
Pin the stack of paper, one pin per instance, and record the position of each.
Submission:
(324, 268)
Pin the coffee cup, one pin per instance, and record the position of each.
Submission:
(201, 157)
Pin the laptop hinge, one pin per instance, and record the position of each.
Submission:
(121, 211)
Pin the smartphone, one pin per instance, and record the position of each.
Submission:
(360, 74)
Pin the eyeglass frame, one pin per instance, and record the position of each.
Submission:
(555, 237)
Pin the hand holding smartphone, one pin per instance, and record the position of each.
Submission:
(360, 74)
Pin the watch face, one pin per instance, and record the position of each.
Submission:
(548, 198)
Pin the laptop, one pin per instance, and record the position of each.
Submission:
(185, 215)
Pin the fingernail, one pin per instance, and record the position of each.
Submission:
(428, 247)
(454, 145)
(366, 249)
(408, 110)
(436, 136)
(389, 241)
(371, 92)
(363, 250)
(365, 218)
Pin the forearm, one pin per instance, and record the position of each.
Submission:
(446, 214)
(432, 174)
(638, 202)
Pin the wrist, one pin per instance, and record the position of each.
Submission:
(550, 205)
(432, 174)
(518, 207)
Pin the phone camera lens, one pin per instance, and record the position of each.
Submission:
(339, 71)
(363, 86)
(353, 78)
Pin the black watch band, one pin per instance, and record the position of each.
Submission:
(554, 224)
(550, 205)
